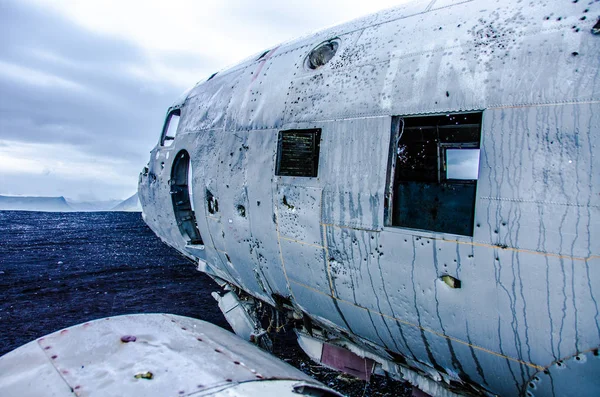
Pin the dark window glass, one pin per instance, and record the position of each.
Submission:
(435, 167)
(298, 153)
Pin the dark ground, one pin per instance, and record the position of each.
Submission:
(62, 269)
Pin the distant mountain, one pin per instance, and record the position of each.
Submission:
(85, 206)
(132, 204)
(26, 203)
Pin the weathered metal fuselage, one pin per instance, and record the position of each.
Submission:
(506, 302)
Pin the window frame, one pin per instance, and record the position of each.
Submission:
(397, 130)
(443, 161)
(164, 137)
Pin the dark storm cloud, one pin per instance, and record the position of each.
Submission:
(61, 83)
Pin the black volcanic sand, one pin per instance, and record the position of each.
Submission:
(62, 269)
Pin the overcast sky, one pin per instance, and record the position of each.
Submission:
(84, 85)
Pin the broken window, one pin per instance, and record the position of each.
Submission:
(298, 153)
(170, 128)
(433, 172)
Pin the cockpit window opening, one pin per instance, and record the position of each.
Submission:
(264, 54)
(433, 172)
(170, 127)
(298, 153)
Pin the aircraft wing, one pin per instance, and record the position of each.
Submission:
(148, 355)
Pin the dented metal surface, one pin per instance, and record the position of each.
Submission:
(484, 312)
(147, 355)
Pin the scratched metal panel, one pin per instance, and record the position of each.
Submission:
(205, 153)
(506, 377)
(362, 322)
(460, 360)
(457, 68)
(206, 106)
(419, 303)
(539, 184)
(218, 266)
(395, 335)
(366, 273)
(533, 153)
(523, 286)
(305, 264)
(558, 379)
(216, 233)
(261, 208)
(262, 92)
(394, 41)
(319, 306)
(546, 297)
(299, 213)
(354, 259)
(234, 213)
(410, 269)
(206, 147)
(215, 251)
(469, 314)
(398, 12)
(354, 163)
(559, 229)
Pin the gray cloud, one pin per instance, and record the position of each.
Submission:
(63, 84)
(71, 97)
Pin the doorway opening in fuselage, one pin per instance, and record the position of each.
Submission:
(182, 198)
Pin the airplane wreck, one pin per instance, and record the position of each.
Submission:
(416, 192)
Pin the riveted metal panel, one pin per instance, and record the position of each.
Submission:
(319, 306)
(354, 161)
(558, 378)
(471, 66)
(234, 214)
(306, 264)
(299, 213)
(206, 156)
(262, 91)
(206, 106)
(529, 157)
(261, 208)
(145, 354)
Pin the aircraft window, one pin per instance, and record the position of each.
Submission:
(322, 54)
(462, 164)
(170, 127)
(264, 54)
(433, 172)
(298, 153)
